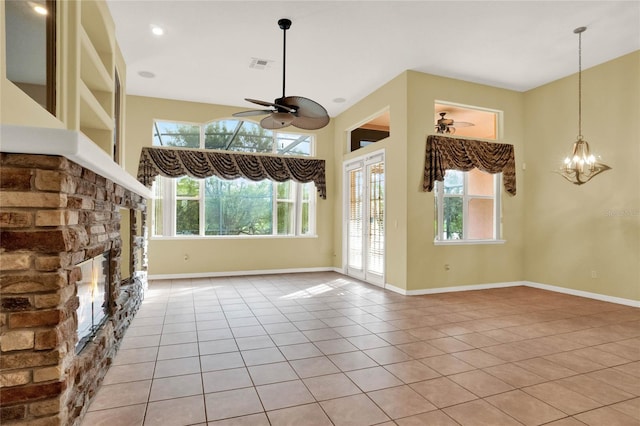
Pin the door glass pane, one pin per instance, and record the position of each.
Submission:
(481, 222)
(355, 219)
(187, 217)
(453, 182)
(480, 183)
(452, 221)
(375, 259)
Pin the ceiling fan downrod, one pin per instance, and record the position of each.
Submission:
(297, 111)
(284, 25)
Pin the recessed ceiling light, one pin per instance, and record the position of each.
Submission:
(339, 100)
(40, 10)
(146, 74)
(156, 30)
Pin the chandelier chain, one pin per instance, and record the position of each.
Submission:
(580, 85)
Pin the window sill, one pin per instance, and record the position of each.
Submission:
(232, 237)
(467, 242)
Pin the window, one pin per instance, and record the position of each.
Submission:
(30, 35)
(217, 207)
(467, 207)
(468, 203)
(374, 130)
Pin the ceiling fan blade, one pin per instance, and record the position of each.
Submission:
(305, 107)
(462, 124)
(307, 123)
(278, 104)
(309, 114)
(270, 123)
(259, 102)
(253, 112)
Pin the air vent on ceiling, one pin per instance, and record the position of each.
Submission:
(259, 64)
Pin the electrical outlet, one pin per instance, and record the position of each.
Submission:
(186, 257)
(447, 267)
(594, 274)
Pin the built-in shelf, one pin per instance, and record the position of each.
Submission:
(92, 68)
(97, 74)
(92, 113)
(95, 19)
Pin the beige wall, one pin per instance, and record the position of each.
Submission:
(572, 231)
(207, 255)
(468, 264)
(393, 96)
(413, 261)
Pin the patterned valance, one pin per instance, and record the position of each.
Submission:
(464, 154)
(201, 164)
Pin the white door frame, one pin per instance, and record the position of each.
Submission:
(348, 165)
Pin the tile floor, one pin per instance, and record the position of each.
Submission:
(323, 349)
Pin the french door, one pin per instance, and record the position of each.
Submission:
(364, 218)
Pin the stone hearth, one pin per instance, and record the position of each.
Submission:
(55, 214)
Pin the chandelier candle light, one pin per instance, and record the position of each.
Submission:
(581, 166)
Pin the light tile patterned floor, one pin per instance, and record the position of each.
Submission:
(323, 349)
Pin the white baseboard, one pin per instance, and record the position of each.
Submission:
(451, 289)
(241, 273)
(580, 293)
(587, 294)
(402, 291)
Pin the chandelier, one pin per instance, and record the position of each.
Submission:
(581, 165)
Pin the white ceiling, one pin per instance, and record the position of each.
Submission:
(347, 49)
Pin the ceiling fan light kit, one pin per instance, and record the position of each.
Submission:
(581, 165)
(296, 111)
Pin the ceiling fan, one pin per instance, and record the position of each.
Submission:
(447, 125)
(288, 110)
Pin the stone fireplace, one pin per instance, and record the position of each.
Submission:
(61, 257)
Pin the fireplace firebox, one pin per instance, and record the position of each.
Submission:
(93, 294)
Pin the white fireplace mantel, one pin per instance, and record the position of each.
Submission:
(71, 144)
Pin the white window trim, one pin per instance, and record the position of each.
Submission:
(497, 217)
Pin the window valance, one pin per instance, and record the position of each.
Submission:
(464, 154)
(201, 164)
